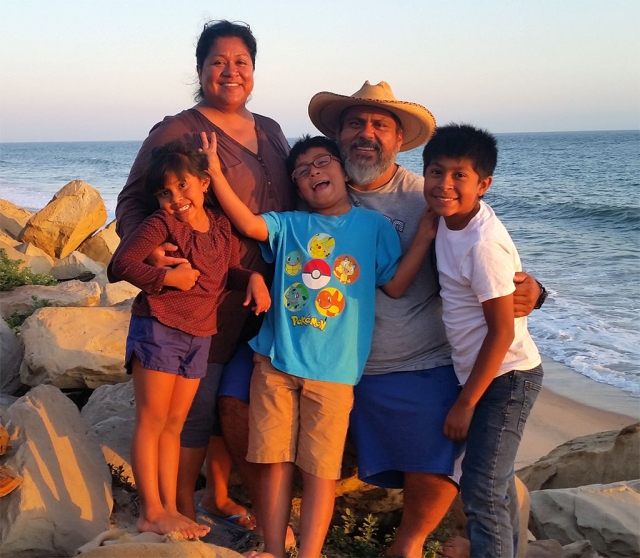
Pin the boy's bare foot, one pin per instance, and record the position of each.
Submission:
(164, 523)
(457, 547)
(256, 554)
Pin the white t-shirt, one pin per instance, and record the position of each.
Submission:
(474, 265)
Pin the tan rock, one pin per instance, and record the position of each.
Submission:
(10, 359)
(65, 497)
(75, 347)
(604, 514)
(101, 246)
(69, 293)
(111, 412)
(126, 544)
(5, 239)
(117, 293)
(38, 260)
(600, 458)
(13, 218)
(73, 215)
(75, 266)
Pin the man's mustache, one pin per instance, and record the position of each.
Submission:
(362, 142)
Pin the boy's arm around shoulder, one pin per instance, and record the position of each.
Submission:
(410, 263)
(239, 214)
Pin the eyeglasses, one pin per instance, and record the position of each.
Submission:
(318, 162)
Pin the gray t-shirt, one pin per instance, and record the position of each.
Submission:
(408, 333)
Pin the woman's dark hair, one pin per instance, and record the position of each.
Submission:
(214, 30)
(179, 158)
(307, 142)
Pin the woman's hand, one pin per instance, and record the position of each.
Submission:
(158, 257)
(210, 149)
(258, 292)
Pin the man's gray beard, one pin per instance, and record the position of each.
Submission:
(362, 174)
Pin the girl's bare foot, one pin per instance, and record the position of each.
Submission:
(457, 547)
(164, 523)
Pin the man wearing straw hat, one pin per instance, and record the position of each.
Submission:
(409, 384)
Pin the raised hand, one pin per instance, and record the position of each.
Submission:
(210, 149)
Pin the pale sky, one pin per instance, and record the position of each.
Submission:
(79, 70)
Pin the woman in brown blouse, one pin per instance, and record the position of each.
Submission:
(252, 150)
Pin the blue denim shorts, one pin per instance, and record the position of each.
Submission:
(163, 348)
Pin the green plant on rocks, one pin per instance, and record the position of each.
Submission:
(16, 319)
(11, 276)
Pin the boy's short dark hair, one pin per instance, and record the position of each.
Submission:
(306, 142)
(463, 141)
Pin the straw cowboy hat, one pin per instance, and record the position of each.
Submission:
(418, 124)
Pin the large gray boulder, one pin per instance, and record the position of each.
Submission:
(69, 293)
(73, 215)
(601, 458)
(111, 412)
(605, 515)
(10, 359)
(65, 497)
(75, 347)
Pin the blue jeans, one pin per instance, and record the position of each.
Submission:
(488, 484)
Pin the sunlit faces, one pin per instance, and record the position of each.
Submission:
(184, 198)
(453, 189)
(369, 142)
(226, 75)
(324, 188)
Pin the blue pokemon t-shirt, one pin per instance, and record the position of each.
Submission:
(327, 268)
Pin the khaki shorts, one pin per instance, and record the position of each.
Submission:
(298, 420)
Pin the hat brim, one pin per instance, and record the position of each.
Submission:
(418, 124)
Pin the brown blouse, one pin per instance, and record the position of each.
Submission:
(260, 181)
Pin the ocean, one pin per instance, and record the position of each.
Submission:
(571, 201)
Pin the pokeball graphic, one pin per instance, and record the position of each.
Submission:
(316, 274)
(330, 302)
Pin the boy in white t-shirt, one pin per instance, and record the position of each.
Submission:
(495, 359)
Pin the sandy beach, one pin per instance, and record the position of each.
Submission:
(572, 405)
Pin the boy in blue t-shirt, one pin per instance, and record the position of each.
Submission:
(315, 340)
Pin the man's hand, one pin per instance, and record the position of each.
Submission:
(182, 277)
(456, 425)
(157, 258)
(526, 294)
(258, 292)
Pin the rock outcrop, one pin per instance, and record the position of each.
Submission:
(111, 412)
(73, 215)
(605, 515)
(102, 245)
(10, 360)
(76, 266)
(13, 218)
(70, 293)
(65, 497)
(75, 347)
(601, 458)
